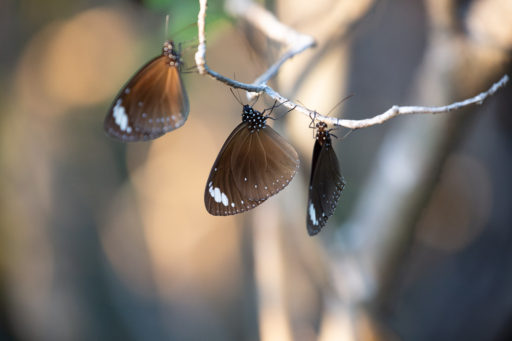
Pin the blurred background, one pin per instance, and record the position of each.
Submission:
(107, 241)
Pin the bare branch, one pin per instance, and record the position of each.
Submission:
(265, 21)
(397, 110)
(297, 43)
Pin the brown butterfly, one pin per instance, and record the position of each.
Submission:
(326, 182)
(254, 163)
(152, 103)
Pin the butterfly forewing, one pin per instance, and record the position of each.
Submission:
(152, 103)
(325, 186)
(254, 163)
(263, 164)
(222, 196)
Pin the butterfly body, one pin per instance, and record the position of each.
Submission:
(254, 163)
(152, 103)
(326, 182)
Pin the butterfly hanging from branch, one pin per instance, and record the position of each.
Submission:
(254, 164)
(326, 181)
(152, 103)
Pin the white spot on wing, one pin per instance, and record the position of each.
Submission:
(312, 214)
(120, 117)
(225, 200)
(210, 189)
(216, 194)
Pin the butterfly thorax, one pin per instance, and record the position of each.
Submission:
(169, 51)
(254, 118)
(322, 135)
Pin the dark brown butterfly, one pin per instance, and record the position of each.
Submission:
(152, 103)
(326, 182)
(254, 163)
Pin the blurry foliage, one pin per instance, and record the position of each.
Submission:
(184, 13)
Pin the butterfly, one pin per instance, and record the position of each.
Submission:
(326, 182)
(254, 164)
(152, 103)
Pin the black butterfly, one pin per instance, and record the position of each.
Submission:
(326, 182)
(152, 103)
(254, 163)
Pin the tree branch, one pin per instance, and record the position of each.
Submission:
(297, 43)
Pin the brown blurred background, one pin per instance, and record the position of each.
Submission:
(107, 241)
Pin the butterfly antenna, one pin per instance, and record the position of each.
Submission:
(344, 136)
(338, 104)
(237, 99)
(166, 32)
(239, 96)
(347, 134)
(256, 101)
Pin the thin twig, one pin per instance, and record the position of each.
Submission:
(279, 32)
(297, 43)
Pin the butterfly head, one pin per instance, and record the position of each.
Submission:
(169, 50)
(255, 119)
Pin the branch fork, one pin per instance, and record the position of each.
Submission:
(296, 43)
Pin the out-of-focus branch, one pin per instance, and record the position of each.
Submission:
(407, 166)
(297, 43)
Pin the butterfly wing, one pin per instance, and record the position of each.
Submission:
(263, 163)
(152, 103)
(222, 196)
(325, 187)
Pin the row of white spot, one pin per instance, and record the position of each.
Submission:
(218, 195)
(121, 118)
(312, 215)
(333, 201)
(163, 119)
